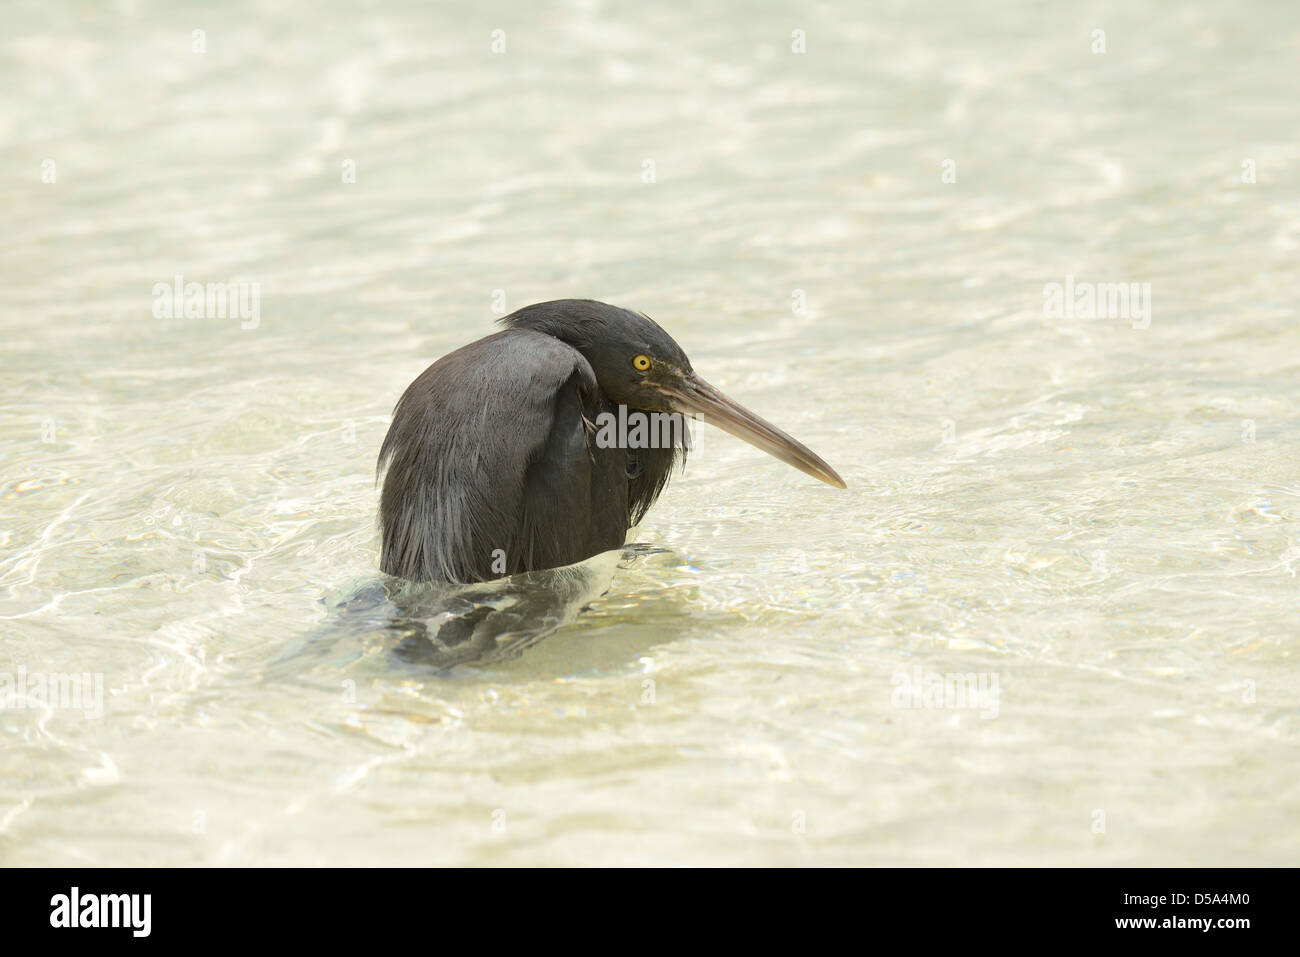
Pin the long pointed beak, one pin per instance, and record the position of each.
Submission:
(693, 395)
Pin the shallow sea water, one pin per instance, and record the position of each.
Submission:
(1101, 515)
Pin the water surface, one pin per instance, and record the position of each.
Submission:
(1101, 514)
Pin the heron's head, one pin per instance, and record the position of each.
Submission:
(639, 365)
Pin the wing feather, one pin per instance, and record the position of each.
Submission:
(489, 465)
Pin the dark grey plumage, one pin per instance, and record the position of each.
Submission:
(490, 459)
(492, 463)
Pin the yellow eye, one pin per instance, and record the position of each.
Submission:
(641, 363)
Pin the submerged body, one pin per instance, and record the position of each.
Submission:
(493, 464)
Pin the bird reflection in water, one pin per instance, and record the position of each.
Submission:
(436, 626)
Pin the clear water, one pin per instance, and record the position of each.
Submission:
(1101, 514)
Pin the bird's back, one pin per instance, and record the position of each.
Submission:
(491, 468)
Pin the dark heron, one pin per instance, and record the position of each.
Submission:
(495, 462)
